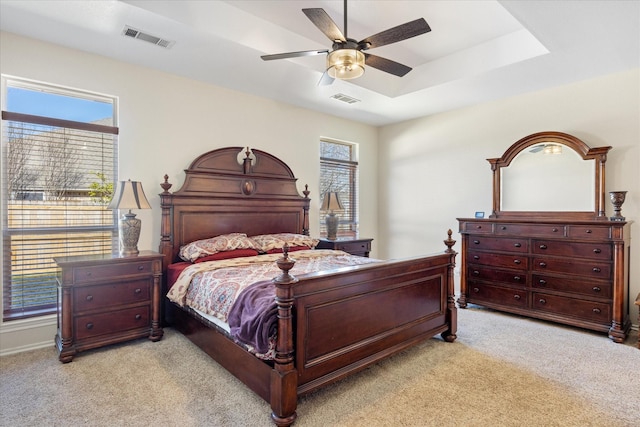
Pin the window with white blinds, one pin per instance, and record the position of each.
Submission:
(57, 181)
(339, 173)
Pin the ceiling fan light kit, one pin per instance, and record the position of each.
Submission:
(345, 64)
(346, 60)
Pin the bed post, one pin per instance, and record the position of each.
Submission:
(305, 209)
(284, 376)
(166, 246)
(452, 312)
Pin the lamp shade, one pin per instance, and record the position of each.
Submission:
(345, 64)
(129, 195)
(331, 202)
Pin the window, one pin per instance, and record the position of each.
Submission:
(59, 154)
(339, 173)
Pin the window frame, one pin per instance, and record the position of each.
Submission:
(105, 233)
(347, 227)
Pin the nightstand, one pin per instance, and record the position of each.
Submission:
(105, 299)
(352, 245)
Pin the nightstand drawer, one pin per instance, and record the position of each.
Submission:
(101, 296)
(354, 247)
(99, 272)
(93, 325)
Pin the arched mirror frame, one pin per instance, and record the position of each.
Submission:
(598, 154)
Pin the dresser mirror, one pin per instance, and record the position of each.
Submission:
(549, 174)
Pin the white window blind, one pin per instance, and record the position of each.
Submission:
(58, 179)
(339, 173)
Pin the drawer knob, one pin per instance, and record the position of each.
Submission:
(517, 278)
(588, 231)
(138, 317)
(503, 227)
(89, 325)
(88, 274)
(555, 230)
(89, 297)
(517, 245)
(141, 267)
(476, 290)
(596, 310)
(517, 261)
(137, 291)
(476, 257)
(543, 246)
(476, 242)
(542, 282)
(542, 301)
(478, 227)
(596, 269)
(476, 273)
(517, 297)
(596, 251)
(543, 264)
(596, 289)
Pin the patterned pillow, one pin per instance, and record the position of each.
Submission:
(237, 253)
(225, 242)
(269, 242)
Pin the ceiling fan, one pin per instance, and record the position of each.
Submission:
(347, 58)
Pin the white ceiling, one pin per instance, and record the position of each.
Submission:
(477, 51)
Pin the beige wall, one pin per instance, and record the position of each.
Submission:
(423, 174)
(434, 169)
(166, 121)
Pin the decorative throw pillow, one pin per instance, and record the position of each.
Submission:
(222, 243)
(238, 253)
(268, 242)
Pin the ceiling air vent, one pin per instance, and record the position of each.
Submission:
(345, 98)
(137, 34)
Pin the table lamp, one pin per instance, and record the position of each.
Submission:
(129, 195)
(331, 203)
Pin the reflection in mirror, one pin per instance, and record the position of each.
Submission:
(548, 177)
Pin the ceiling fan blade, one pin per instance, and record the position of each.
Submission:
(294, 54)
(386, 65)
(324, 23)
(396, 34)
(325, 80)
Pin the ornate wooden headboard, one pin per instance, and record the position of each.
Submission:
(224, 193)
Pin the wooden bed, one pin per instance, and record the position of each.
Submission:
(330, 324)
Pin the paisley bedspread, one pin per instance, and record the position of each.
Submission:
(213, 287)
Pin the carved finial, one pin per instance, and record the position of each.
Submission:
(246, 165)
(166, 185)
(306, 191)
(285, 264)
(449, 242)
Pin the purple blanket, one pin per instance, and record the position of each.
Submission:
(253, 318)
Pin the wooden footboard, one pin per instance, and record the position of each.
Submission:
(344, 320)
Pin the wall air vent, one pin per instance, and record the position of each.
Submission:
(137, 34)
(345, 98)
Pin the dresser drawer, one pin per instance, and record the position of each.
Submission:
(591, 270)
(566, 306)
(498, 260)
(589, 232)
(563, 284)
(477, 227)
(93, 325)
(596, 250)
(497, 244)
(100, 272)
(101, 296)
(498, 295)
(481, 272)
(556, 230)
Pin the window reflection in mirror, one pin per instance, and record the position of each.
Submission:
(548, 177)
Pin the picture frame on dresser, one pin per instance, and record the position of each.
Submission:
(568, 265)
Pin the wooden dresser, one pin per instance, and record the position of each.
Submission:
(548, 250)
(569, 272)
(104, 299)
